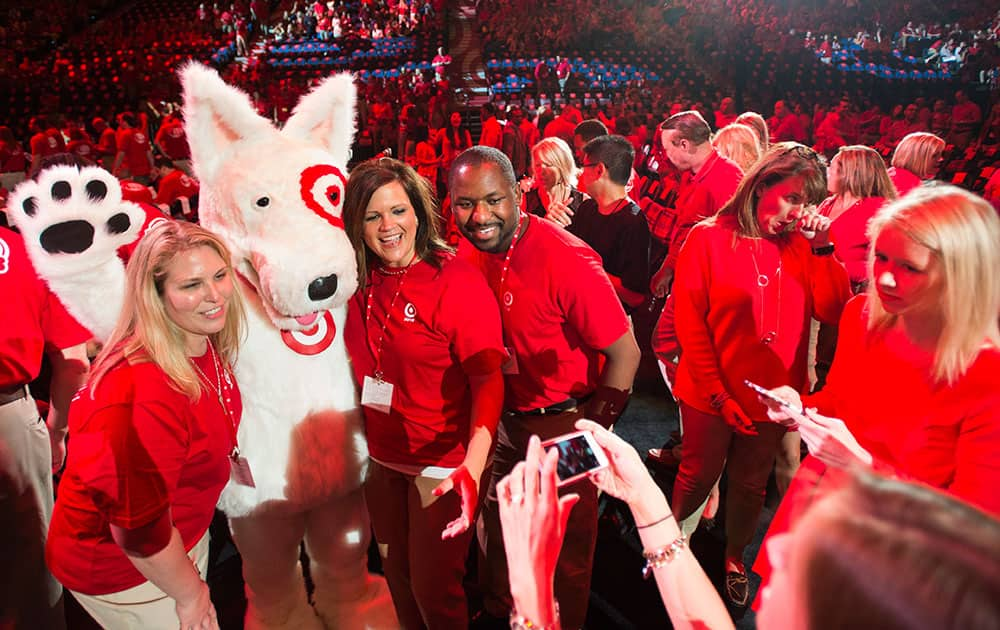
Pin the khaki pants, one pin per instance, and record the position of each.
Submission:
(29, 596)
(144, 607)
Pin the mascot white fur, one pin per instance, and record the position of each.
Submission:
(274, 196)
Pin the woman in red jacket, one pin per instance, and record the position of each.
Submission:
(748, 282)
(154, 440)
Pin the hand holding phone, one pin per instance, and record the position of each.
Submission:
(579, 455)
(793, 412)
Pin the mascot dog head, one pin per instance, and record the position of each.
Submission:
(275, 196)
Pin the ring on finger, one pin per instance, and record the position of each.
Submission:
(517, 498)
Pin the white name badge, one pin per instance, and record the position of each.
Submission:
(510, 365)
(377, 394)
(239, 471)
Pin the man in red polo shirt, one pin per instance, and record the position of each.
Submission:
(561, 320)
(173, 143)
(135, 155)
(173, 185)
(34, 322)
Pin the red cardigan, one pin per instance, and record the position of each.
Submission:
(720, 321)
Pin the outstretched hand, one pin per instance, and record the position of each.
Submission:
(467, 487)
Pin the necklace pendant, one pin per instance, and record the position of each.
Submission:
(768, 338)
(762, 280)
(378, 377)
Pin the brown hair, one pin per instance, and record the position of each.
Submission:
(368, 177)
(862, 173)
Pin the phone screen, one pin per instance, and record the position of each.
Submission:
(576, 457)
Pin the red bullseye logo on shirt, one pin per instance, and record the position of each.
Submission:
(409, 312)
(508, 299)
(322, 187)
(312, 340)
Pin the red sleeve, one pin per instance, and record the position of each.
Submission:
(149, 444)
(977, 470)
(828, 284)
(468, 298)
(61, 330)
(689, 212)
(589, 301)
(691, 305)
(850, 339)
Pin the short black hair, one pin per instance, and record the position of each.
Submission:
(615, 153)
(590, 129)
(478, 155)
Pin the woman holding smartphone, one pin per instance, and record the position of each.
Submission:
(913, 387)
(747, 285)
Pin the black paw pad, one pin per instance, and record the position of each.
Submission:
(69, 237)
(118, 223)
(97, 190)
(61, 190)
(30, 206)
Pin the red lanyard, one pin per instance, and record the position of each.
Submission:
(506, 262)
(377, 349)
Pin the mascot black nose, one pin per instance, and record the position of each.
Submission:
(68, 237)
(322, 288)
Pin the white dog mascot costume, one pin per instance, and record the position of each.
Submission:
(275, 198)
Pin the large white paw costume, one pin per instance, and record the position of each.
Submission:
(73, 221)
(275, 198)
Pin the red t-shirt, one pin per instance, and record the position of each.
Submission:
(34, 318)
(107, 144)
(558, 310)
(135, 144)
(903, 180)
(82, 148)
(721, 313)
(139, 448)
(175, 185)
(47, 143)
(444, 327)
(173, 142)
(136, 192)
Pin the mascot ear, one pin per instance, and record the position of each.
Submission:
(325, 117)
(216, 116)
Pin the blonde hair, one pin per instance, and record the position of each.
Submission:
(756, 122)
(739, 143)
(963, 233)
(915, 153)
(862, 173)
(144, 332)
(782, 160)
(556, 152)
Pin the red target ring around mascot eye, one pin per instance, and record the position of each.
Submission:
(312, 340)
(321, 187)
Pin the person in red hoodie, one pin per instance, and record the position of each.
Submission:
(748, 282)
(173, 185)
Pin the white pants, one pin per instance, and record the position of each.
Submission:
(143, 607)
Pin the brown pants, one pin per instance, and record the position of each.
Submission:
(572, 583)
(424, 572)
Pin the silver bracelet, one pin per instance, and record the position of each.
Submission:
(520, 622)
(662, 556)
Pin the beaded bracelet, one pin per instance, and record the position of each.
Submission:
(520, 622)
(662, 556)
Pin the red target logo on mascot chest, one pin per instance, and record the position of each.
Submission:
(322, 190)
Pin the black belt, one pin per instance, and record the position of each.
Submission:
(570, 404)
(10, 394)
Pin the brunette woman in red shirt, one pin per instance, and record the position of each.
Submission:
(153, 440)
(748, 282)
(425, 340)
(915, 378)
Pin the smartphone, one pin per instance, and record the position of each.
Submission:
(766, 393)
(579, 455)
